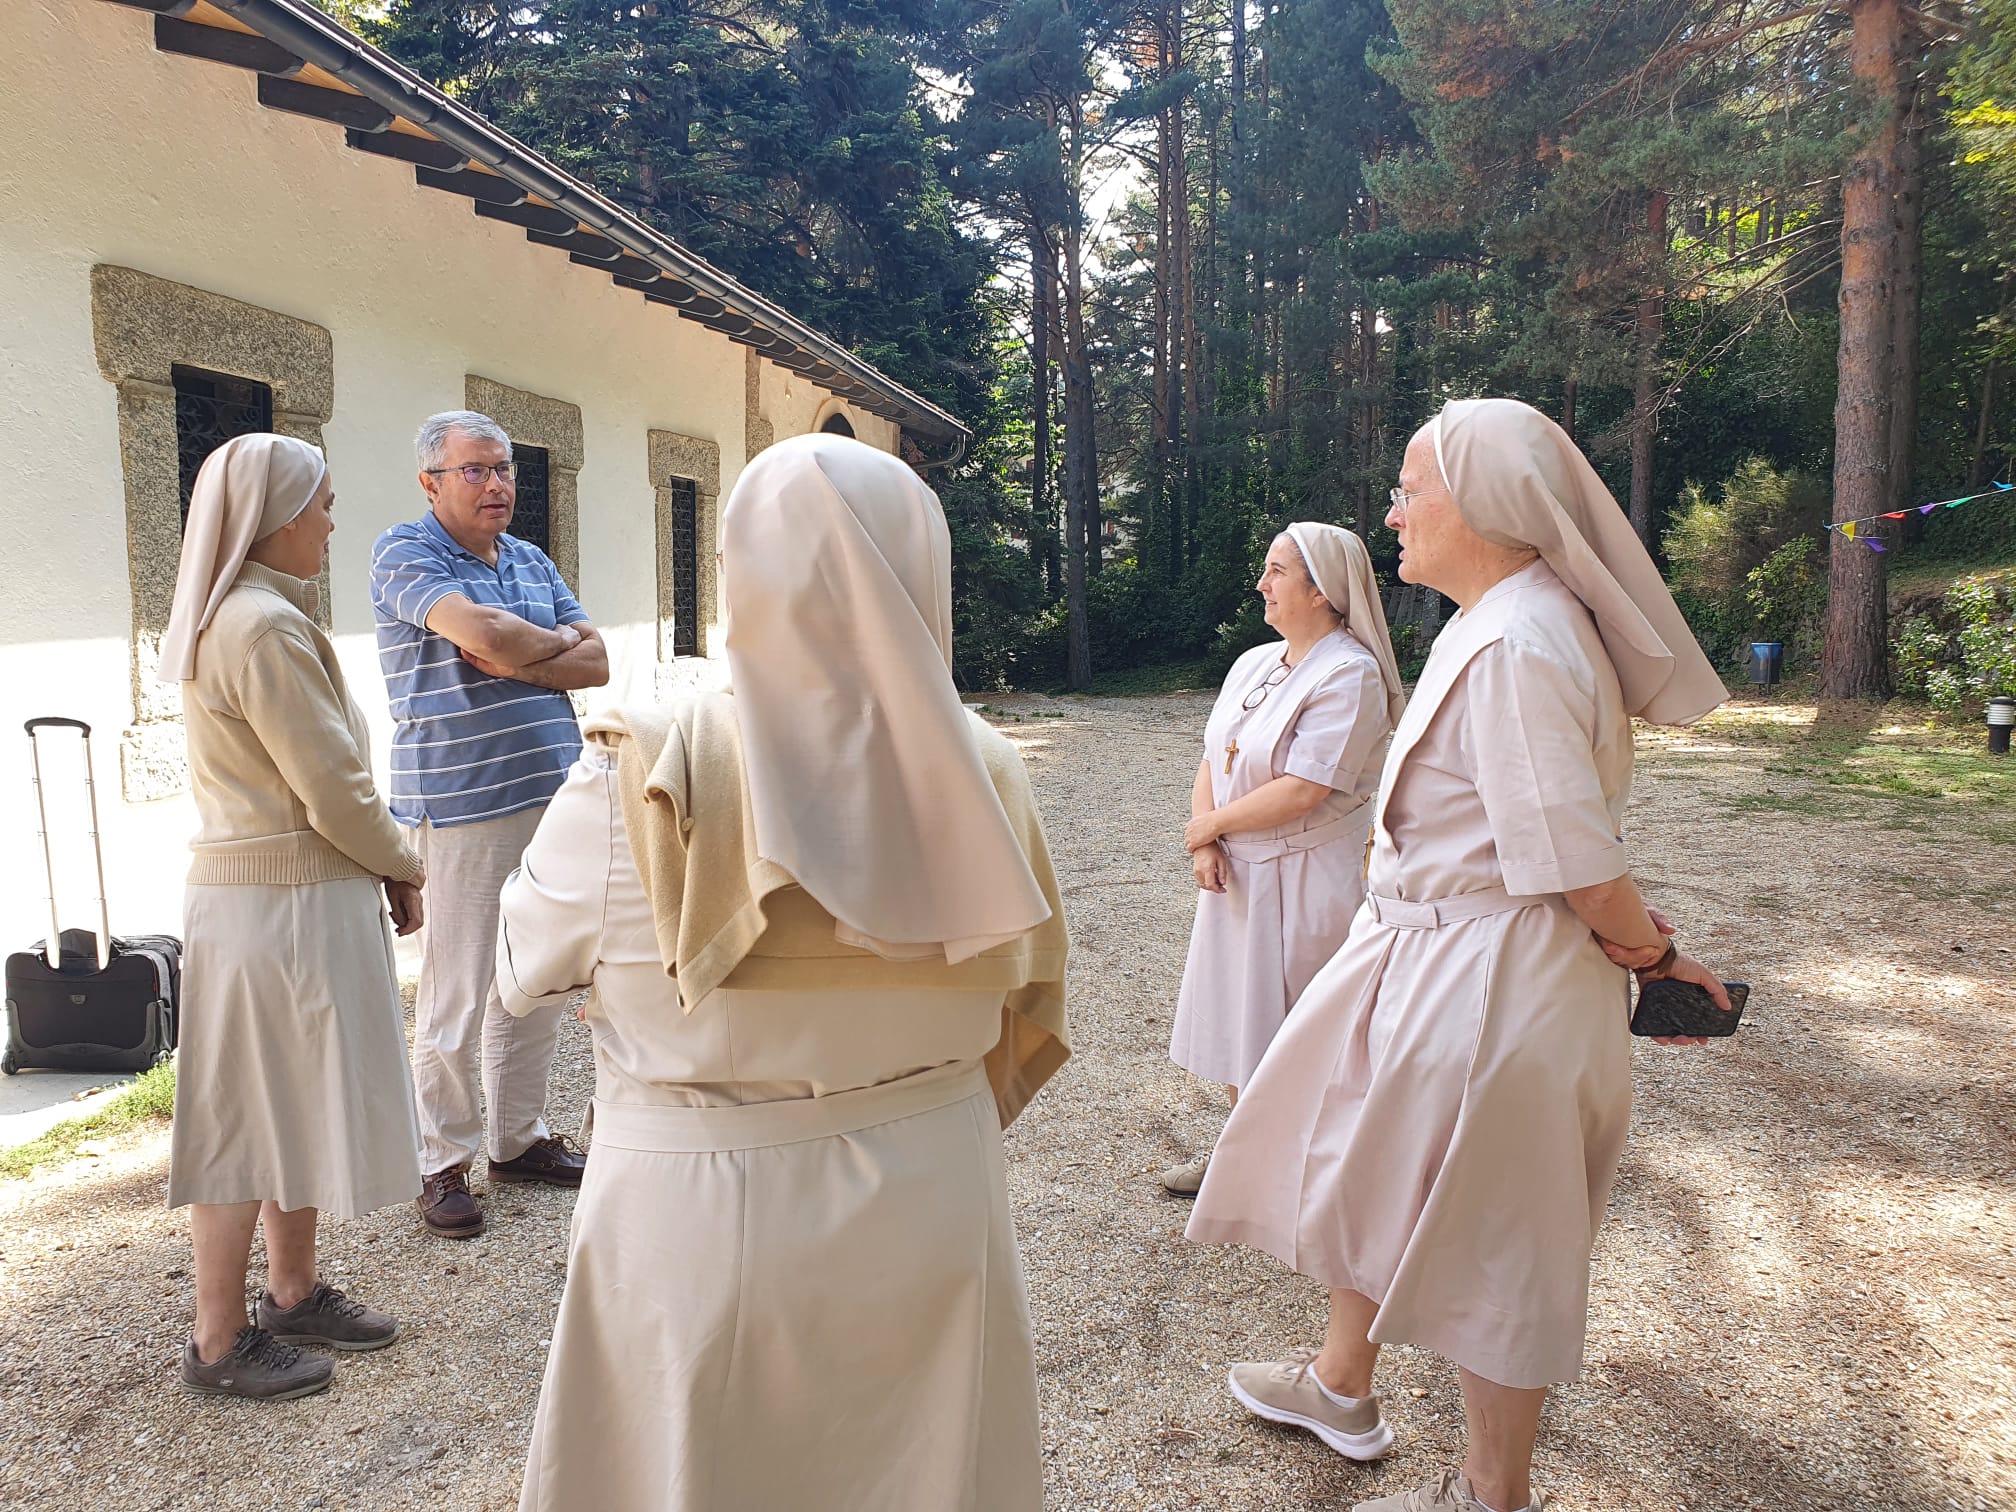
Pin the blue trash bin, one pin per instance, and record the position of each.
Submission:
(1767, 663)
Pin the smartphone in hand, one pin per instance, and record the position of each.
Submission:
(1673, 1009)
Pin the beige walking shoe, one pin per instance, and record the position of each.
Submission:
(1448, 1492)
(1287, 1391)
(1185, 1179)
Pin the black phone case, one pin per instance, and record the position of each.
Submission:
(1669, 1008)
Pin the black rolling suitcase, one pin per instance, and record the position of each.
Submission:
(83, 1000)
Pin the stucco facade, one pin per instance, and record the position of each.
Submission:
(152, 213)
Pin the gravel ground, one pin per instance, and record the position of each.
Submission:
(1803, 1298)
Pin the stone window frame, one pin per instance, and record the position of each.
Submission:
(833, 405)
(670, 455)
(555, 425)
(141, 327)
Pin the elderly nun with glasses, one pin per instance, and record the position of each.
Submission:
(1434, 1133)
(1282, 805)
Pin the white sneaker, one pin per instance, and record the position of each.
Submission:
(1287, 1391)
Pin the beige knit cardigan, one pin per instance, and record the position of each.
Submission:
(279, 754)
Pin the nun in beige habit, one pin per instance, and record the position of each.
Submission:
(291, 1089)
(826, 955)
(1434, 1132)
(1281, 806)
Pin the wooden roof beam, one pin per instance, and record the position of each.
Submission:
(345, 109)
(407, 148)
(492, 188)
(550, 224)
(216, 45)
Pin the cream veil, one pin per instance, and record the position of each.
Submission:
(864, 777)
(246, 489)
(1341, 568)
(1520, 481)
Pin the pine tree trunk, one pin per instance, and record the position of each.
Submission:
(1161, 505)
(1568, 397)
(1081, 483)
(1645, 403)
(1853, 661)
(1904, 302)
(1042, 516)
(1977, 468)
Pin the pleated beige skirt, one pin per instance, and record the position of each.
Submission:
(291, 1081)
(1437, 1128)
(1286, 908)
(802, 1306)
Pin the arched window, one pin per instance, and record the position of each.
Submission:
(837, 425)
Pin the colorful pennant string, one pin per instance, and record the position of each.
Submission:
(1852, 529)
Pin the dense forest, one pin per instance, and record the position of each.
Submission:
(1192, 269)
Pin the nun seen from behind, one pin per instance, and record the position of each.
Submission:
(291, 1090)
(1434, 1133)
(1281, 806)
(827, 955)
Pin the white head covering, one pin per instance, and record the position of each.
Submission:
(1341, 568)
(246, 489)
(1520, 481)
(866, 783)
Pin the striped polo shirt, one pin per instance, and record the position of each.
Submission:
(465, 746)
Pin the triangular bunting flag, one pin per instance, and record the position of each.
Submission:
(1848, 530)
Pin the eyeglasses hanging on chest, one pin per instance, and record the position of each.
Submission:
(1256, 696)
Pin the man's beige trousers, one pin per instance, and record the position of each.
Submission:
(457, 1008)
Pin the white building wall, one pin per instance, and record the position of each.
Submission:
(111, 152)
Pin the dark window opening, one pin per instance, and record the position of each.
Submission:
(532, 519)
(685, 567)
(837, 424)
(211, 408)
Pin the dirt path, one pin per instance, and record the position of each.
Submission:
(1805, 1296)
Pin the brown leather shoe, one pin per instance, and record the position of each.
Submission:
(446, 1206)
(555, 1160)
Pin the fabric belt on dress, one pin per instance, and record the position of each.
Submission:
(1398, 913)
(1343, 827)
(755, 1126)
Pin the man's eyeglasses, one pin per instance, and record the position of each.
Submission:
(476, 474)
(1274, 679)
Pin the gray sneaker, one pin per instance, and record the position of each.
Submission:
(1448, 1492)
(1184, 1180)
(257, 1366)
(1287, 1391)
(326, 1316)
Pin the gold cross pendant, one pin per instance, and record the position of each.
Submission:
(1231, 751)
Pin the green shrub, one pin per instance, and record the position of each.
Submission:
(1920, 650)
(1787, 594)
(1743, 561)
(1964, 655)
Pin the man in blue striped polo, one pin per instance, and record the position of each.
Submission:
(479, 641)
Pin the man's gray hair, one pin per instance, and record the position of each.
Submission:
(431, 445)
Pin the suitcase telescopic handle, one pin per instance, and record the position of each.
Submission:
(52, 948)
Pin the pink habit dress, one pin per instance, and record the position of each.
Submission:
(1290, 892)
(1438, 1124)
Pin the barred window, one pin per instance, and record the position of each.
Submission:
(532, 519)
(685, 566)
(211, 408)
